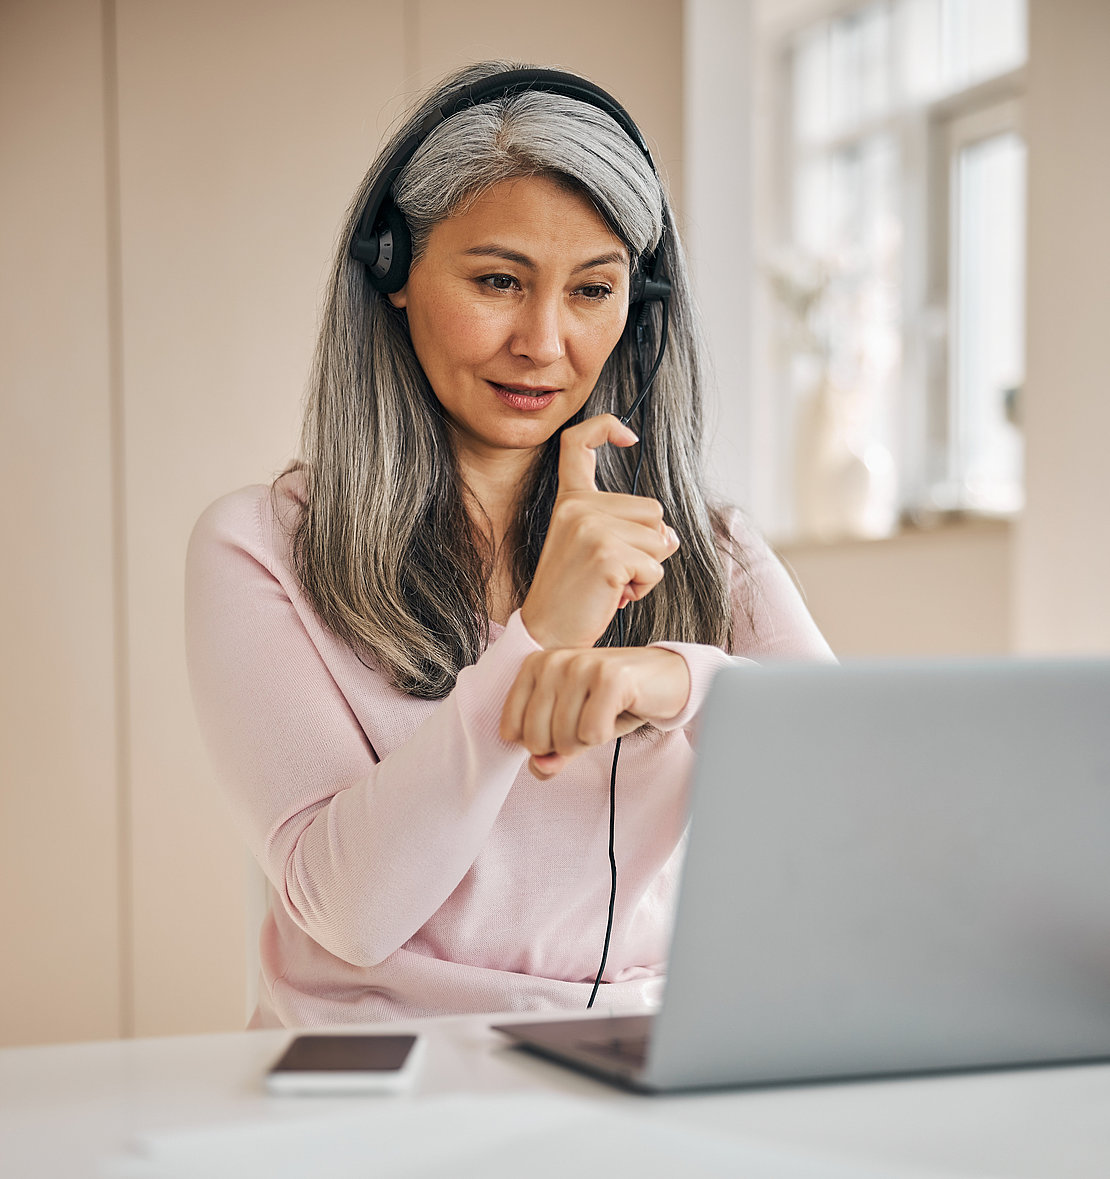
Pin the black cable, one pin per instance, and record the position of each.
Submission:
(612, 854)
(626, 418)
(620, 643)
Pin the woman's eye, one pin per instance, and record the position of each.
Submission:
(499, 282)
(596, 291)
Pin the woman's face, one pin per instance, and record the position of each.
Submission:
(513, 310)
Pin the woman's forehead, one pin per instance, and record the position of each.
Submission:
(531, 216)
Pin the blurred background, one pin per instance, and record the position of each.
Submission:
(896, 215)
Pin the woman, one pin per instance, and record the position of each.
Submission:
(407, 654)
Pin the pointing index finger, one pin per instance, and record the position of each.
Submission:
(577, 462)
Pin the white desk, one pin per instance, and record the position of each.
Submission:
(65, 1110)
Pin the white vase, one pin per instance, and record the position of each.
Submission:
(845, 484)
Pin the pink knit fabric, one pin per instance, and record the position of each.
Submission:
(416, 867)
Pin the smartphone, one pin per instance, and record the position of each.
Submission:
(345, 1064)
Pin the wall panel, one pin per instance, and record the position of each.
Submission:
(243, 129)
(1062, 565)
(59, 848)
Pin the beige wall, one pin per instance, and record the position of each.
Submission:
(144, 376)
(60, 868)
(944, 591)
(1062, 554)
(243, 128)
(631, 47)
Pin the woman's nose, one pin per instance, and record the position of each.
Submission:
(538, 332)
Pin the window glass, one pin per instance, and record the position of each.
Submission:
(945, 45)
(980, 38)
(917, 30)
(810, 77)
(988, 342)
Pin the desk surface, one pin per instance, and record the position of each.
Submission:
(75, 1110)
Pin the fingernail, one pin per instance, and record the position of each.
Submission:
(672, 536)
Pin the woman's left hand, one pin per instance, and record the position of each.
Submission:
(567, 700)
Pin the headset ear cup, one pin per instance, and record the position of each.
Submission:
(391, 271)
(636, 284)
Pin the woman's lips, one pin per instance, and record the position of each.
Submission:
(522, 397)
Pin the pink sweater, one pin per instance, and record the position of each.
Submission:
(415, 866)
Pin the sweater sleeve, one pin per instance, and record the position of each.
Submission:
(769, 620)
(362, 850)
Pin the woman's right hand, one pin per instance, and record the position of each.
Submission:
(602, 550)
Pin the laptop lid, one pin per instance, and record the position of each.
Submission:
(892, 868)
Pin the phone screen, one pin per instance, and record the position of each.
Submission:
(325, 1054)
(341, 1063)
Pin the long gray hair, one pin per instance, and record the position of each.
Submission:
(386, 550)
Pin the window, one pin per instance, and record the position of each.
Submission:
(897, 264)
(980, 467)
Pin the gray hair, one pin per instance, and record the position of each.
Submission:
(385, 549)
(532, 133)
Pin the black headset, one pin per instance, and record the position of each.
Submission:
(383, 241)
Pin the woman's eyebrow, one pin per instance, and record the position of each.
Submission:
(492, 250)
(613, 258)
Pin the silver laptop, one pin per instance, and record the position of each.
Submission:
(892, 868)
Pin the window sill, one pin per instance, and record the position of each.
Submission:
(940, 527)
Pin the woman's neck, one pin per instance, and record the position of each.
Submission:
(493, 486)
(493, 490)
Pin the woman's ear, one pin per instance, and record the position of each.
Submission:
(400, 299)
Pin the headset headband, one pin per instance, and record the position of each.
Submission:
(382, 238)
